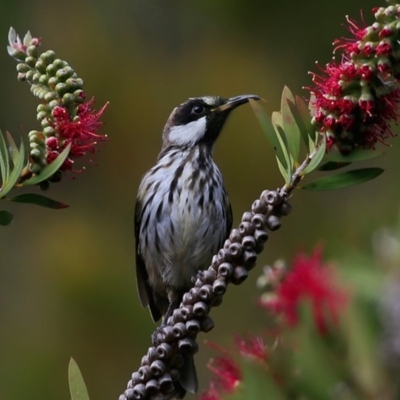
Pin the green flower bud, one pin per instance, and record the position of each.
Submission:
(21, 76)
(36, 76)
(54, 103)
(75, 83)
(44, 79)
(51, 69)
(35, 145)
(52, 82)
(36, 154)
(50, 96)
(42, 114)
(59, 63)
(33, 135)
(79, 96)
(22, 67)
(64, 73)
(32, 51)
(29, 75)
(30, 61)
(67, 99)
(35, 168)
(48, 57)
(49, 131)
(40, 66)
(61, 88)
(42, 107)
(45, 123)
(39, 91)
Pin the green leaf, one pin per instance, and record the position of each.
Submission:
(5, 217)
(332, 165)
(349, 178)
(317, 157)
(305, 114)
(289, 125)
(15, 173)
(4, 160)
(288, 164)
(77, 386)
(13, 149)
(354, 156)
(299, 121)
(269, 131)
(39, 200)
(50, 169)
(283, 171)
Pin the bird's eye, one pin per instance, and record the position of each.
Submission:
(198, 109)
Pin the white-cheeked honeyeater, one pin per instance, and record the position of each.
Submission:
(183, 214)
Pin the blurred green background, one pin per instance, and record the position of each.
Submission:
(67, 284)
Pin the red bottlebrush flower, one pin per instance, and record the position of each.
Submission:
(253, 347)
(312, 281)
(227, 371)
(366, 74)
(80, 132)
(210, 394)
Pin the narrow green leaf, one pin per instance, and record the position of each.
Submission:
(50, 169)
(299, 121)
(5, 217)
(305, 114)
(39, 200)
(288, 164)
(317, 158)
(354, 156)
(77, 386)
(289, 125)
(269, 131)
(344, 179)
(311, 145)
(332, 165)
(15, 173)
(4, 160)
(283, 171)
(13, 149)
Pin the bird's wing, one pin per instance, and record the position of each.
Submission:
(142, 279)
(229, 217)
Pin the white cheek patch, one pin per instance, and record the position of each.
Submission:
(188, 134)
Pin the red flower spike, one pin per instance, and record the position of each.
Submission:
(253, 347)
(210, 394)
(309, 280)
(225, 368)
(80, 132)
(367, 73)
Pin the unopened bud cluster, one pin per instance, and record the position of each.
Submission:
(63, 115)
(159, 371)
(356, 98)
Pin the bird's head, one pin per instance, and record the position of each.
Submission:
(200, 120)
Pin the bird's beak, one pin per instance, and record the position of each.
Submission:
(236, 101)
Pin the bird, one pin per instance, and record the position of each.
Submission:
(182, 214)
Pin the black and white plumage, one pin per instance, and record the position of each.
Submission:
(183, 214)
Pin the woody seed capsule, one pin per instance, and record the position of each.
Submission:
(158, 367)
(152, 386)
(207, 323)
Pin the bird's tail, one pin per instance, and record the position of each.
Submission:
(188, 381)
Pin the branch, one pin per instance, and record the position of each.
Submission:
(159, 367)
